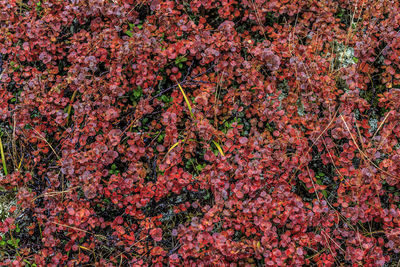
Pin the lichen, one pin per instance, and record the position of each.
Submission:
(344, 56)
(374, 125)
(7, 200)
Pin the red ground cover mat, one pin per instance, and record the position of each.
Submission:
(199, 133)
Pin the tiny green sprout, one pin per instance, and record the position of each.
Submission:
(166, 99)
(114, 169)
(179, 60)
(38, 7)
(137, 93)
(13, 242)
(200, 167)
(131, 27)
(160, 138)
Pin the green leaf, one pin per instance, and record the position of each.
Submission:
(200, 167)
(129, 33)
(160, 138)
(13, 242)
(180, 59)
(188, 163)
(166, 99)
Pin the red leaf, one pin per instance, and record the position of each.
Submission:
(156, 234)
(243, 140)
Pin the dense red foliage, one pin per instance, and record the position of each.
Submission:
(116, 171)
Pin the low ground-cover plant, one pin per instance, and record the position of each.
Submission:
(202, 132)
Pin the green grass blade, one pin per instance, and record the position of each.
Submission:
(219, 148)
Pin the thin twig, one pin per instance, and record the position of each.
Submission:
(377, 130)
(362, 152)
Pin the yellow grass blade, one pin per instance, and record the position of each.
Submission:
(70, 105)
(186, 100)
(219, 148)
(20, 163)
(85, 248)
(174, 145)
(3, 158)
